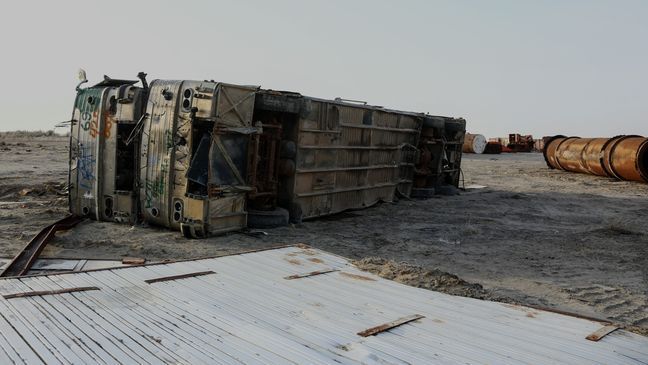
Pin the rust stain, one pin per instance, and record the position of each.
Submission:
(358, 277)
(293, 261)
(316, 260)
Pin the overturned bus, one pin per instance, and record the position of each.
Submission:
(206, 157)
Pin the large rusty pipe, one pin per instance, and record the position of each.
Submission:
(621, 157)
(474, 143)
(626, 158)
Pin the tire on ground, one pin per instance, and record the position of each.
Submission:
(277, 217)
(296, 213)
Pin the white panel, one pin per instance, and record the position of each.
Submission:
(248, 312)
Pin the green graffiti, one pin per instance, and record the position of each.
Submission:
(155, 188)
(168, 139)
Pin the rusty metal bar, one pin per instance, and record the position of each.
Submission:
(601, 332)
(567, 313)
(181, 276)
(49, 292)
(24, 260)
(389, 325)
(312, 273)
(621, 157)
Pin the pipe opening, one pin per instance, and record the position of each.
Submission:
(642, 161)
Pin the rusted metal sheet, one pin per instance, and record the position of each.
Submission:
(621, 157)
(24, 260)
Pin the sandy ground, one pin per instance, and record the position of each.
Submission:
(533, 236)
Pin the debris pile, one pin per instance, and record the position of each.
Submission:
(419, 277)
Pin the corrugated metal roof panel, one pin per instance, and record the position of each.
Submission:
(286, 305)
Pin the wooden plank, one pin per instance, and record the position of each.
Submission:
(389, 325)
(181, 276)
(601, 332)
(312, 273)
(49, 292)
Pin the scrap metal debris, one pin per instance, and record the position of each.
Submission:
(389, 325)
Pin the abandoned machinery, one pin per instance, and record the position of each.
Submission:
(620, 157)
(206, 157)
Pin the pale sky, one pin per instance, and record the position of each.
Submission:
(531, 67)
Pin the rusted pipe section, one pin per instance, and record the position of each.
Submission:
(621, 157)
(474, 143)
(626, 158)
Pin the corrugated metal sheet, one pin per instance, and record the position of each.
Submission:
(270, 307)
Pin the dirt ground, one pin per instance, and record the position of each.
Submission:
(534, 236)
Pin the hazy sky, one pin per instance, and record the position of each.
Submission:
(539, 67)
